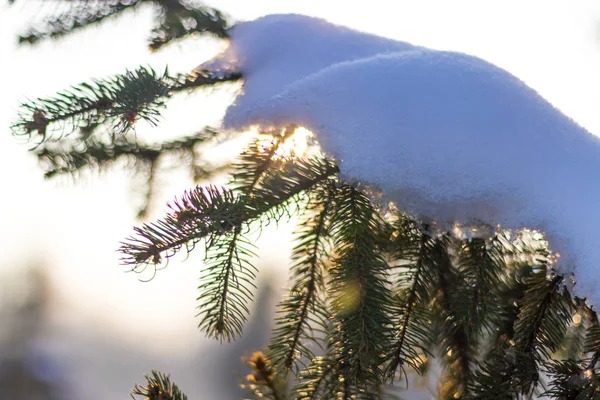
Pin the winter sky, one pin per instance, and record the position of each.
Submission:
(554, 46)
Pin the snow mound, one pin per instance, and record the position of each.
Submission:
(446, 136)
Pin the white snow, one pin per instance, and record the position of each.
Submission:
(446, 136)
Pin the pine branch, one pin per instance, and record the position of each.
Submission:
(358, 332)
(223, 297)
(264, 382)
(301, 307)
(497, 377)
(544, 316)
(201, 78)
(211, 213)
(256, 160)
(179, 19)
(573, 346)
(591, 343)
(224, 288)
(119, 101)
(467, 306)
(457, 350)
(539, 330)
(571, 380)
(360, 293)
(481, 270)
(205, 211)
(56, 160)
(159, 387)
(316, 380)
(196, 215)
(518, 260)
(415, 280)
(80, 14)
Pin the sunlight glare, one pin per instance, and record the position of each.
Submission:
(300, 144)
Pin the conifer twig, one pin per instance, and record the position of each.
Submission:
(158, 387)
(121, 101)
(205, 211)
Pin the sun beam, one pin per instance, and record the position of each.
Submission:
(300, 144)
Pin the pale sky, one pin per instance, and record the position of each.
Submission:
(75, 227)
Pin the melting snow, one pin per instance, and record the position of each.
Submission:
(446, 136)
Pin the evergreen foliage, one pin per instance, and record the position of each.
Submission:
(177, 19)
(158, 387)
(374, 296)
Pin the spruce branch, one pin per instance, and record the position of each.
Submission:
(591, 342)
(199, 213)
(357, 334)
(221, 217)
(56, 160)
(544, 316)
(360, 291)
(223, 293)
(206, 211)
(569, 379)
(481, 271)
(257, 159)
(201, 78)
(518, 258)
(158, 387)
(264, 382)
(224, 288)
(411, 302)
(448, 306)
(80, 14)
(573, 346)
(177, 19)
(467, 305)
(180, 19)
(302, 305)
(119, 101)
(497, 378)
(317, 378)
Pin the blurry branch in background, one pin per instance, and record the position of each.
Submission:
(64, 158)
(264, 382)
(176, 19)
(181, 18)
(27, 370)
(78, 14)
(158, 387)
(93, 124)
(56, 160)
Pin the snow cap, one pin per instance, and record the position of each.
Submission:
(445, 135)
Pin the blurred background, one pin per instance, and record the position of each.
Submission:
(73, 323)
